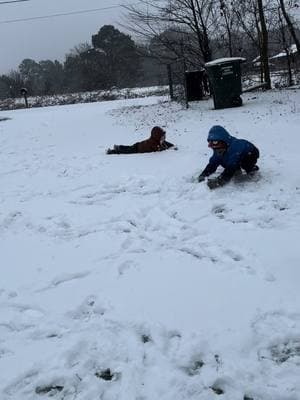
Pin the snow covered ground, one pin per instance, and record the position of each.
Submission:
(123, 278)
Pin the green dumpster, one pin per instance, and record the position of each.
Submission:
(225, 81)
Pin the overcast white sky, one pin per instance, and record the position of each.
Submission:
(51, 38)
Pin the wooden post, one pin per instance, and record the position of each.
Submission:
(24, 92)
(184, 83)
(170, 80)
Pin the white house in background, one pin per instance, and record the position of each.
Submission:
(292, 50)
(279, 60)
(256, 62)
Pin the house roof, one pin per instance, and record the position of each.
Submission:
(292, 49)
(224, 60)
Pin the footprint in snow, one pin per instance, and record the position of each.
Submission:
(194, 368)
(199, 254)
(20, 317)
(27, 310)
(219, 210)
(4, 352)
(11, 218)
(21, 383)
(269, 277)
(88, 308)
(283, 351)
(249, 270)
(126, 265)
(281, 324)
(63, 279)
(233, 255)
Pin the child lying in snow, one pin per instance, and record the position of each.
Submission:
(156, 142)
(231, 153)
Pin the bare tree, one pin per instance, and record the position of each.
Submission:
(290, 25)
(251, 17)
(264, 44)
(191, 22)
(228, 17)
(286, 47)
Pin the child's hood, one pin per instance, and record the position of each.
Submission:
(217, 132)
(157, 133)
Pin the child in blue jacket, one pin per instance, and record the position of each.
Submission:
(231, 153)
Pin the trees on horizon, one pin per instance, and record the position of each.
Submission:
(188, 31)
(113, 59)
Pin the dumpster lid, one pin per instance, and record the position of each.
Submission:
(224, 60)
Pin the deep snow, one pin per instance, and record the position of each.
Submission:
(123, 278)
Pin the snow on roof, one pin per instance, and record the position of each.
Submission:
(292, 50)
(224, 60)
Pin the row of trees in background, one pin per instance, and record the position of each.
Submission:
(171, 32)
(201, 30)
(111, 60)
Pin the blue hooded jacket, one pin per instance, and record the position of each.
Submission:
(231, 158)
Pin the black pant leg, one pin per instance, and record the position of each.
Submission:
(249, 160)
(127, 149)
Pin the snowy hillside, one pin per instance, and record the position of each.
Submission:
(122, 278)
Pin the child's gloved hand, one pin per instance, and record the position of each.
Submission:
(201, 178)
(111, 151)
(215, 182)
(115, 150)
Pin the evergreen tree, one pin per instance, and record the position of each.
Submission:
(122, 61)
